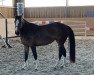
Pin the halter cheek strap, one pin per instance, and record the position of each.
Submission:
(17, 22)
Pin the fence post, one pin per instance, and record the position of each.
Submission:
(6, 31)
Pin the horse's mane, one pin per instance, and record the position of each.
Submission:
(24, 21)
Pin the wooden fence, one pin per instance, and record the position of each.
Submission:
(58, 12)
(11, 28)
(8, 12)
(50, 12)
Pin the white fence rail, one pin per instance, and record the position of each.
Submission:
(79, 27)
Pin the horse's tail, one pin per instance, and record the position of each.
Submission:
(72, 45)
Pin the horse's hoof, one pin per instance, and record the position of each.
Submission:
(55, 68)
(36, 69)
(23, 69)
(62, 67)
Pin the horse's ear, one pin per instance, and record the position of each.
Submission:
(22, 15)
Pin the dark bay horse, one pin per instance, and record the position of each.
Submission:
(33, 35)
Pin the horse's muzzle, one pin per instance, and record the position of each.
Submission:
(17, 32)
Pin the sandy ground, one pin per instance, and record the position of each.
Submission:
(11, 59)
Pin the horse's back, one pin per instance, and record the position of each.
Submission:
(55, 29)
(54, 25)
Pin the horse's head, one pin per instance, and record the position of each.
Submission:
(18, 24)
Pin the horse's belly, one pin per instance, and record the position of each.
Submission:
(43, 41)
(37, 41)
(27, 41)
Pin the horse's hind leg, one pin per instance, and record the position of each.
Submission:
(33, 48)
(62, 51)
(26, 51)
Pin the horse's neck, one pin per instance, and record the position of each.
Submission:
(27, 25)
(24, 21)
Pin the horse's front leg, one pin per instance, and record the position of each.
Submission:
(26, 51)
(33, 48)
